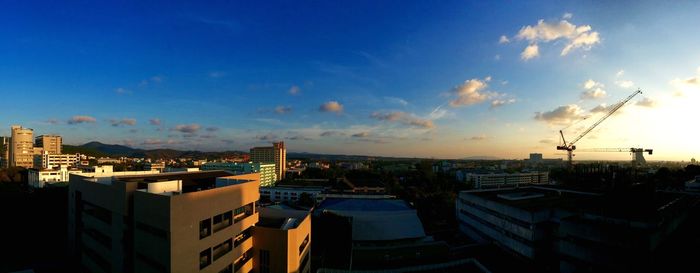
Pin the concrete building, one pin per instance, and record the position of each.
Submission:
(496, 180)
(39, 178)
(276, 154)
(282, 241)
(200, 221)
(574, 231)
(51, 144)
(536, 157)
(159, 166)
(268, 176)
(48, 160)
(291, 193)
(21, 147)
(4, 151)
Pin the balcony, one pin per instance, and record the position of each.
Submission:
(244, 264)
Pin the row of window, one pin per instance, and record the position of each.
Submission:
(207, 256)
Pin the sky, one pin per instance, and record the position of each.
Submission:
(437, 79)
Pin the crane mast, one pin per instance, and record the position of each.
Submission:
(570, 146)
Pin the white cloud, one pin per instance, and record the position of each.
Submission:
(283, 109)
(294, 90)
(574, 36)
(331, 106)
(217, 74)
(531, 51)
(81, 119)
(562, 115)
(686, 85)
(154, 121)
(187, 128)
(503, 40)
(122, 91)
(620, 73)
(624, 83)
(498, 103)
(405, 118)
(497, 57)
(567, 15)
(396, 100)
(471, 92)
(593, 90)
(437, 113)
(646, 102)
(124, 121)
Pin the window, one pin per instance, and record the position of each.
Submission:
(264, 261)
(204, 258)
(303, 244)
(223, 220)
(204, 228)
(227, 269)
(242, 237)
(243, 259)
(153, 230)
(222, 249)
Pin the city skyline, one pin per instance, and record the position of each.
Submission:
(444, 80)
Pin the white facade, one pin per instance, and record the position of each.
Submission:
(49, 161)
(289, 193)
(39, 178)
(505, 179)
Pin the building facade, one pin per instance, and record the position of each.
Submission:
(282, 241)
(4, 151)
(49, 143)
(39, 178)
(291, 193)
(202, 221)
(21, 150)
(496, 180)
(276, 154)
(48, 160)
(268, 177)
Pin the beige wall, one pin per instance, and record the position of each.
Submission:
(22, 147)
(283, 246)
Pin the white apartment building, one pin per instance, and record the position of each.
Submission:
(495, 180)
(40, 178)
(47, 160)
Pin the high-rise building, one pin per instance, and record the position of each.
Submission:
(4, 151)
(50, 143)
(268, 175)
(535, 157)
(21, 152)
(276, 154)
(202, 221)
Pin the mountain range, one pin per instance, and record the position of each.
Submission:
(99, 149)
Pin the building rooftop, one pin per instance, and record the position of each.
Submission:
(376, 219)
(280, 218)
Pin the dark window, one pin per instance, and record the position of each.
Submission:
(303, 263)
(227, 269)
(242, 237)
(264, 261)
(204, 258)
(152, 230)
(98, 236)
(156, 265)
(243, 259)
(98, 212)
(97, 259)
(204, 228)
(223, 220)
(222, 249)
(303, 244)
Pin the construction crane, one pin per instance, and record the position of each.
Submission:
(571, 146)
(637, 153)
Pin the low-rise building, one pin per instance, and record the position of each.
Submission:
(290, 192)
(48, 160)
(39, 178)
(282, 241)
(482, 180)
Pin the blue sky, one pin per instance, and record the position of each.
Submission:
(397, 78)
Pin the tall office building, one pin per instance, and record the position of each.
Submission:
(276, 154)
(50, 143)
(21, 147)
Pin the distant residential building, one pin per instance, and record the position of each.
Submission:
(21, 151)
(39, 178)
(291, 193)
(51, 144)
(495, 180)
(159, 166)
(107, 160)
(276, 154)
(268, 177)
(535, 157)
(47, 160)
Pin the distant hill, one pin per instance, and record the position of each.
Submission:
(313, 156)
(99, 149)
